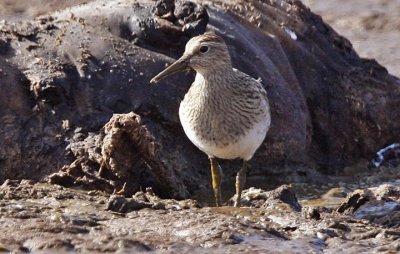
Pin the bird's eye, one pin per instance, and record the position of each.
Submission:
(203, 49)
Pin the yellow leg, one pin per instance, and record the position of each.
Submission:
(240, 182)
(103, 167)
(216, 176)
(122, 191)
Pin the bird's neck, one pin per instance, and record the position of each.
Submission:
(214, 77)
(214, 69)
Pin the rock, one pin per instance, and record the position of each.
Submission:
(338, 225)
(311, 213)
(121, 204)
(324, 234)
(147, 199)
(162, 27)
(81, 67)
(377, 204)
(49, 244)
(354, 201)
(376, 209)
(260, 198)
(129, 144)
(128, 149)
(74, 175)
(8, 182)
(387, 191)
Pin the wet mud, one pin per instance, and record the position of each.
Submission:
(43, 217)
(66, 73)
(98, 161)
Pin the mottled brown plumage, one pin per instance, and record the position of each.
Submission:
(225, 113)
(222, 114)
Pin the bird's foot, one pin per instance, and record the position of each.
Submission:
(122, 190)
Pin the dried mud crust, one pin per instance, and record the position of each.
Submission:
(128, 156)
(41, 217)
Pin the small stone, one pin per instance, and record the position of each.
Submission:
(311, 213)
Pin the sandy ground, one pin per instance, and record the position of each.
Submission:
(20, 9)
(372, 26)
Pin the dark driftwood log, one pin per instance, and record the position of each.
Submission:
(63, 76)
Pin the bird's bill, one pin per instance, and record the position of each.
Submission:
(180, 65)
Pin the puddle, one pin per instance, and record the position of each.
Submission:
(329, 192)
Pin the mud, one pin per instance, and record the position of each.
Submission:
(67, 72)
(42, 217)
(80, 126)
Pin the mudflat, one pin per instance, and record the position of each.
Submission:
(70, 80)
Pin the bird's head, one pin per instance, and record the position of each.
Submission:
(204, 53)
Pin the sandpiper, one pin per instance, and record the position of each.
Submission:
(226, 112)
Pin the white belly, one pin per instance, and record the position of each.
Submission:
(244, 148)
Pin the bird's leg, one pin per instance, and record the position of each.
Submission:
(122, 191)
(103, 167)
(216, 176)
(240, 181)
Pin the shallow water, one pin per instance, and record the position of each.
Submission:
(47, 217)
(329, 192)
